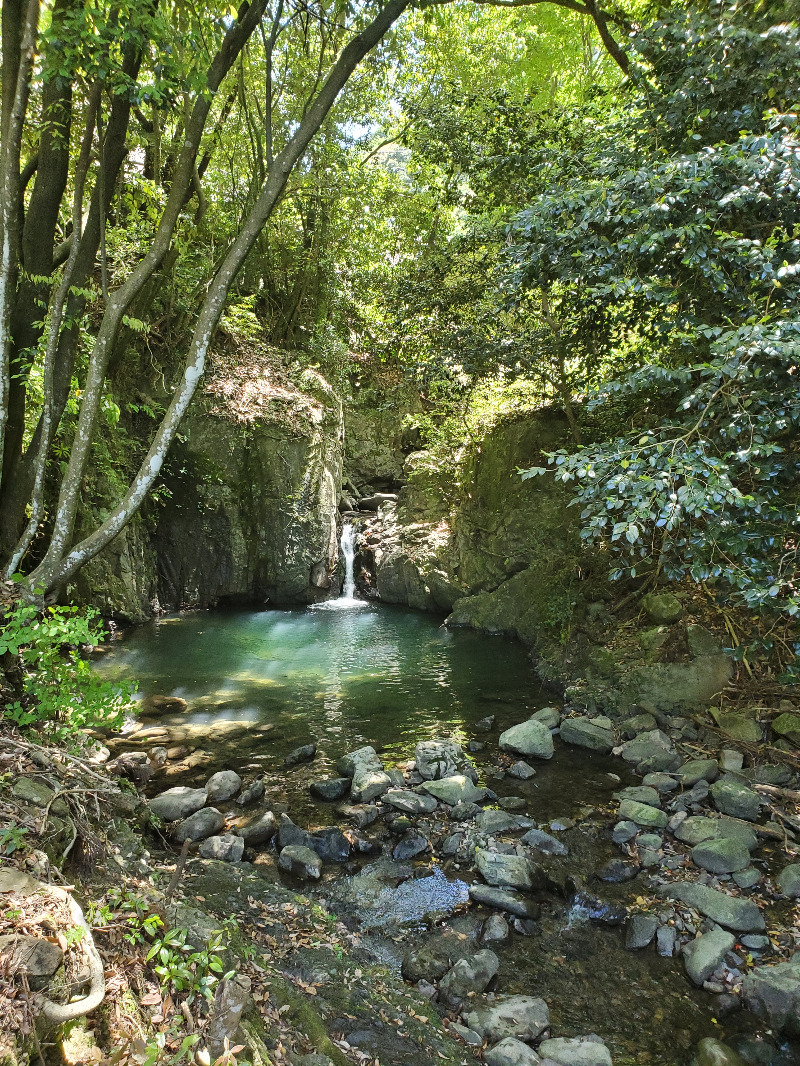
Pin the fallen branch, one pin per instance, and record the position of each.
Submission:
(59, 1013)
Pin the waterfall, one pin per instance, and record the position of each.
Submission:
(348, 546)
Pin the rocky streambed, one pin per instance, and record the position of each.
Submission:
(567, 888)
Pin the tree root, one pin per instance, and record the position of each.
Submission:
(58, 1013)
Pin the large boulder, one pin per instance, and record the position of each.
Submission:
(576, 1051)
(436, 759)
(529, 738)
(773, 993)
(178, 802)
(523, 1017)
(468, 976)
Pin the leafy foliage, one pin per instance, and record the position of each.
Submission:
(683, 237)
(61, 693)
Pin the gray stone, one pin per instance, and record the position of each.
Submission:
(468, 976)
(485, 725)
(469, 1036)
(738, 915)
(253, 793)
(736, 799)
(289, 833)
(365, 758)
(410, 845)
(413, 803)
(464, 812)
(624, 831)
(203, 823)
(529, 738)
(649, 840)
(549, 716)
(369, 784)
(585, 733)
(522, 770)
(510, 1052)
(301, 862)
(789, 880)
(731, 760)
(433, 958)
(178, 802)
(29, 790)
(494, 928)
(523, 1017)
(747, 878)
(223, 786)
(225, 848)
(617, 871)
(305, 753)
(703, 956)
(773, 993)
(660, 782)
(723, 855)
(696, 829)
(639, 723)
(32, 956)
(544, 842)
(755, 942)
(640, 794)
(330, 844)
(454, 789)
(259, 830)
(436, 759)
(330, 788)
(642, 814)
(665, 940)
(662, 608)
(576, 1051)
(640, 932)
(494, 822)
(507, 871)
(503, 900)
(646, 745)
(698, 770)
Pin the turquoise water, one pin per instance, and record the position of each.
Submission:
(368, 675)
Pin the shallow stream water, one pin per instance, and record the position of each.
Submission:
(259, 684)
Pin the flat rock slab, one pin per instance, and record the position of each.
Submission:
(576, 1051)
(305, 753)
(584, 733)
(642, 814)
(178, 802)
(529, 738)
(640, 794)
(523, 1017)
(739, 915)
(493, 822)
(455, 789)
(409, 802)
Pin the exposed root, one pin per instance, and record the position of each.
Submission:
(59, 1013)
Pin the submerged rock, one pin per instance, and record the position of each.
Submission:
(523, 1017)
(544, 842)
(641, 930)
(331, 844)
(528, 738)
(410, 845)
(178, 802)
(305, 753)
(504, 900)
(253, 793)
(522, 770)
(711, 1052)
(223, 786)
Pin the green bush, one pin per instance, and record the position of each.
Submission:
(59, 692)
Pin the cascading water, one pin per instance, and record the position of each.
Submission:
(348, 546)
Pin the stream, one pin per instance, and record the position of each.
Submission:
(257, 685)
